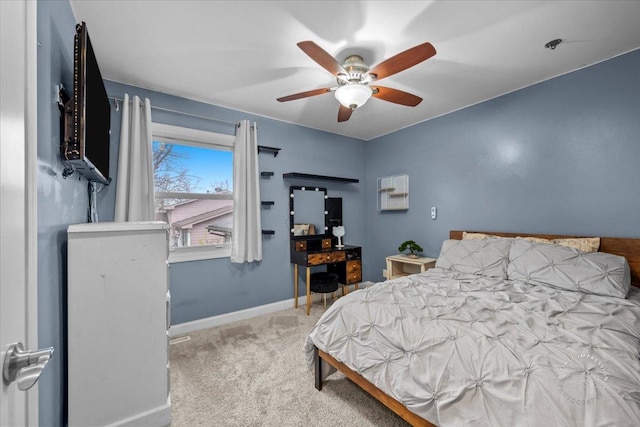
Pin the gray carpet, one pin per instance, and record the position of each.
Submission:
(254, 373)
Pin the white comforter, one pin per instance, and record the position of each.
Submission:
(461, 350)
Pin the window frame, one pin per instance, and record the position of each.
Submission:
(197, 138)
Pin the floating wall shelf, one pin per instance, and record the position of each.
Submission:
(268, 174)
(264, 148)
(393, 193)
(299, 175)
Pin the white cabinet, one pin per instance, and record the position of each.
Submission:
(118, 323)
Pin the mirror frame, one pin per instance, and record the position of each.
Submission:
(292, 211)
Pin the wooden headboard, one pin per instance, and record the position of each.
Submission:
(626, 247)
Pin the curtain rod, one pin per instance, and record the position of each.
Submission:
(116, 100)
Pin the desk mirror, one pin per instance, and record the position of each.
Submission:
(307, 211)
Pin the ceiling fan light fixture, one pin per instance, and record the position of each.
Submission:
(354, 76)
(353, 95)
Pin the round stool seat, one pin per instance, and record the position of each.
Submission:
(324, 282)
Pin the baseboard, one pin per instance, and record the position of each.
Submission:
(160, 416)
(221, 319)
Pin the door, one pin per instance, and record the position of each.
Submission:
(18, 156)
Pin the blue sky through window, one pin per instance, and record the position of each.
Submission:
(206, 168)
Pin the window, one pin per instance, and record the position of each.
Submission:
(193, 183)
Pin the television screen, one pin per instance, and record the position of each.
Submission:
(87, 115)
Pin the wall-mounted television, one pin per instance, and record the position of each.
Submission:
(87, 116)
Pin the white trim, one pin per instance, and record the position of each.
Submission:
(160, 416)
(198, 253)
(223, 319)
(18, 172)
(201, 138)
(116, 227)
(31, 187)
(179, 195)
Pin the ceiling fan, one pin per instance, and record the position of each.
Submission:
(354, 77)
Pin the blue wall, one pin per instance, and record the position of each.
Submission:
(60, 202)
(560, 157)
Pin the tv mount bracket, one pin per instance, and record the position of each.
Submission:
(62, 96)
(65, 110)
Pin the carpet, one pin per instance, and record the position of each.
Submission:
(254, 373)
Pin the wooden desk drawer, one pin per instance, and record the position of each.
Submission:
(301, 245)
(354, 266)
(354, 277)
(325, 258)
(354, 271)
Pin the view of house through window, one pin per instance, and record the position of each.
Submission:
(194, 192)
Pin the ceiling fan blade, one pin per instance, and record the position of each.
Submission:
(344, 113)
(403, 60)
(306, 94)
(396, 96)
(321, 56)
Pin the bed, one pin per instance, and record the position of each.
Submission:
(526, 333)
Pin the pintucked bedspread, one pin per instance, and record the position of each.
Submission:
(459, 349)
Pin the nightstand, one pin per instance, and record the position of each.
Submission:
(401, 265)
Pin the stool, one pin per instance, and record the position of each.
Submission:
(324, 283)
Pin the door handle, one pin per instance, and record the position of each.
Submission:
(24, 366)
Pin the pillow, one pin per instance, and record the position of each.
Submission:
(483, 236)
(481, 257)
(535, 239)
(584, 244)
(568, 268)
(477, 236)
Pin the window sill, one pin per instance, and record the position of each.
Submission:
(199, 253)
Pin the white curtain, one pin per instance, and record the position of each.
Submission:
(134, 189)
(246, 243)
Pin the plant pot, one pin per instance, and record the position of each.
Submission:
(414, 256)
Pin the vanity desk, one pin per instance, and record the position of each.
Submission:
(312, 216)
(346, 262)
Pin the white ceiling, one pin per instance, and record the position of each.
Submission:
(243, 54)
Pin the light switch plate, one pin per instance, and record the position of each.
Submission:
(433, 212)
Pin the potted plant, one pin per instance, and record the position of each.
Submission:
(413, 247)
